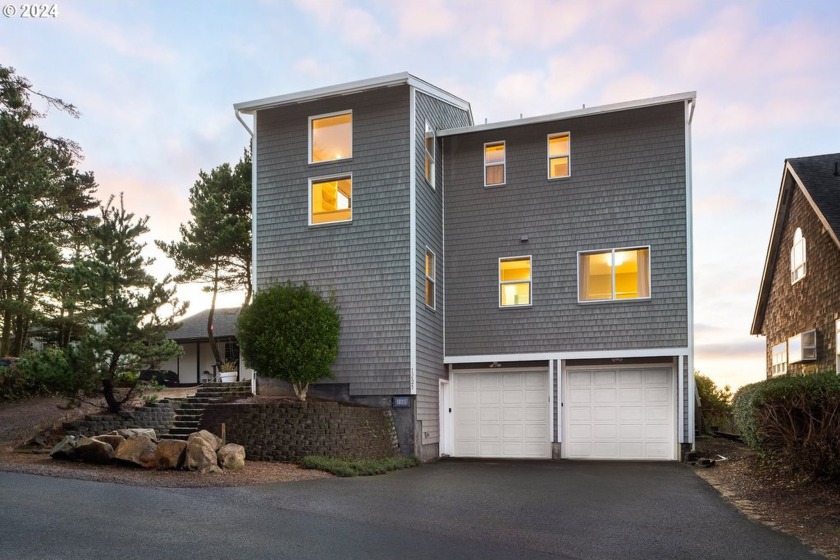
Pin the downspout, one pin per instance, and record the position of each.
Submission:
(253, 218)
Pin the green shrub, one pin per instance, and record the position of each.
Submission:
(291, 333)
(715, 403)
(358, 467)
(37, 373)
(794, 421)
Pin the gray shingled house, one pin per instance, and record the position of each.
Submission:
(197, 357)
(798, 308)
(514, 289)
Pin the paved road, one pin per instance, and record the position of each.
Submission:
(452, 509)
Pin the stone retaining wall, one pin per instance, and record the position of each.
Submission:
(157, 416)
(290, 430)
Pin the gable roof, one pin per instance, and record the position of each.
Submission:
(194, 327)
(818, 177)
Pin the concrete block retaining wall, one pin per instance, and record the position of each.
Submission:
(158, 416)
(290, 430)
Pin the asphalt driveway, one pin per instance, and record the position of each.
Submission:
(452, 509)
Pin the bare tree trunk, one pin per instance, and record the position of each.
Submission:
(210, 334)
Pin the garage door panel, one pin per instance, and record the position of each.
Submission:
(619, 413)
(512, 397)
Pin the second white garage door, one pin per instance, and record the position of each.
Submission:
(619, 413)
(501, 414)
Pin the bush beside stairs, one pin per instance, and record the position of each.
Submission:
(188, 411)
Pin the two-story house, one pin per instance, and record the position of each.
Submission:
(798, 308)
(515, 289)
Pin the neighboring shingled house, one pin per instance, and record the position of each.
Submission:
(513, 289)
(798, 309)
(198, 356)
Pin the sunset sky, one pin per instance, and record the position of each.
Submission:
(156, 82)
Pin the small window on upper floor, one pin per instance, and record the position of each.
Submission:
(798, 257)
(559, 164)
(514, 281)
(779, 359)
(331, 137)
(330, 200)
(494, 164)
(430, 278)
(614, 274)
(429, 164)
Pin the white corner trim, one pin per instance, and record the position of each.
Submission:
(412, 240)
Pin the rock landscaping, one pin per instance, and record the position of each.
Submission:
(202, 451)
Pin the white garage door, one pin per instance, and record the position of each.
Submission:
(619, 413)
(501, 414)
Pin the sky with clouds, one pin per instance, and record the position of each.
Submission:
(155, 82)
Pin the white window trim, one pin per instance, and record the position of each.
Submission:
(432, 278)
(798, 271)
(530, 281)
(613, 298)
(326, 178)
(324, 116)
(782, 366)
(430, 133)
(548, 155)
(503, 163)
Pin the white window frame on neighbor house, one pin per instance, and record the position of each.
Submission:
(312, 120)
(429, 157)
(837, 346)
(329, 179)
(802, 347)
(529, 282)
(778, 359)
(430, 277)
(612, 252)
(502, 164)
(567, 155)
(798, 257)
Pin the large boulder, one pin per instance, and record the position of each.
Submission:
(65, 449)
(231, 457)
(92, 450)
(131, 432)
(199, 455)
(213, 441)
(170, 454)
(139, 450)
(111, 439)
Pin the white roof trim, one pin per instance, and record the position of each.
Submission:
(615, 107)
(583, 355)
(391, 80)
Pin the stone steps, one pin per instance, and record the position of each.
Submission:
(189, 411)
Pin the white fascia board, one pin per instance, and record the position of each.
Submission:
(412, 240)
(391, 80)
(602, 109)
(584, 355)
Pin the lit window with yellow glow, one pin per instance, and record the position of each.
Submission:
(429, 163)
(514, 281)
(558, 156)
(616, 274)
(330, 200)
(430, 279)
(494, 164)
(330, 137)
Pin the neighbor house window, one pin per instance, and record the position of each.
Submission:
(429, 163)
(514, 281)
(802, 347)
(330, 200)
(797, 257)
(430, 279)
(778, 359)
(614, 274)
(330, 137)
(837, 346)
(494, 164)
(558, 155)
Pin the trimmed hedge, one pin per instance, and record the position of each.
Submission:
(794, 421)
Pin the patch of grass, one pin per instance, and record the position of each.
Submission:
(357, 467)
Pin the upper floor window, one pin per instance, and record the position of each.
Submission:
(558, 155)
(514, 281)
(430, 279)
(614, 274)
(330, 200)
(778, 359)
(494, 164)
(797, 257)
(331, 137)
(429, 164)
